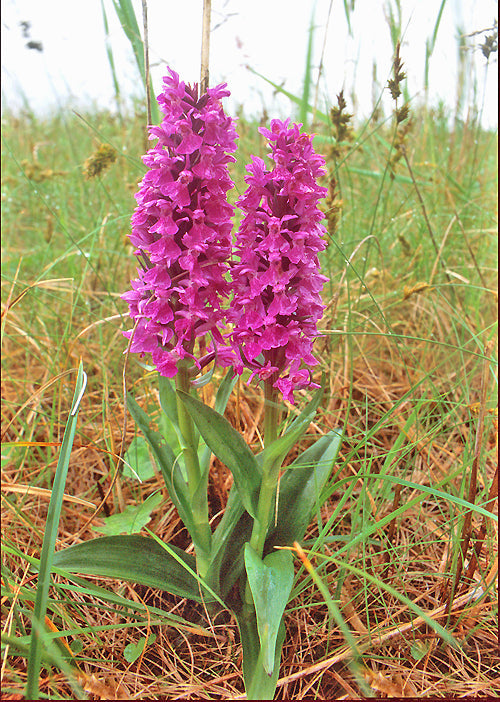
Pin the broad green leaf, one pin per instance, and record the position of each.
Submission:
(271, 583)
(228, 542)
(134, 558)
(132, 519)
(229, 447)
(137, 463)
(300, 489)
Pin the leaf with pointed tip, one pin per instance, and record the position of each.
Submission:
(300, 489)
(229, 447)
(271, 583)
(135, 558)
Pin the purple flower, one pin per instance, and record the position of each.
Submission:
(182, 227)
(276, 280)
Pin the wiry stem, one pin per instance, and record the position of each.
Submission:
(269, 480)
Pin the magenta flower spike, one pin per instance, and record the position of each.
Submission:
(276, 280)
(182, 228)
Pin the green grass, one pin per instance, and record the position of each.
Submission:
(409, 349)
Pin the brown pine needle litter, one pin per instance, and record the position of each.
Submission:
(409, 377)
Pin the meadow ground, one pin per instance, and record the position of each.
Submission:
(408, 347)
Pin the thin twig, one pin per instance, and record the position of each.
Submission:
(205, 46)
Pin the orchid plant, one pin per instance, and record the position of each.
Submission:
(202, 300)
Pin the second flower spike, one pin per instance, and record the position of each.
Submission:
(276, 280)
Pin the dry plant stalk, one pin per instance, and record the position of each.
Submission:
(205, 46)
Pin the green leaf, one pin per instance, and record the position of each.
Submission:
(301, 487)
(169, 467)
(221, 400)
(137, 461)
(271, 583)
(132, 651)
(168, 399)
(163, 454)
(258, 684)
(233, 531)
(47, 557)
(229, 447)
(134, 558)
(132, 519)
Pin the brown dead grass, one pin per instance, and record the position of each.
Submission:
(402, 657)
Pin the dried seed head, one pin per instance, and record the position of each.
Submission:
(399, 75)
(99, 162)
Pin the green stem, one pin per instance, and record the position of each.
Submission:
(269, 483)
(198, 492)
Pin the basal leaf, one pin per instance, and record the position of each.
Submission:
(271, 582)
(134, 558)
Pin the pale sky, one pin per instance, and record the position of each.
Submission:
(268, 35)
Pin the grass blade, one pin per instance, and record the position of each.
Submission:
(126, 14)
(49, 540)
(306, 90)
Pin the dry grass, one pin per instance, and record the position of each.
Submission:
(418, 384)
(401, 655)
